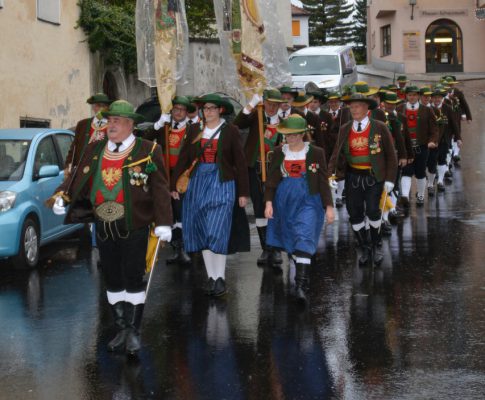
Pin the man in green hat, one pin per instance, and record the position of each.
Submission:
(300, 105)
(423, 132)
(121, 185)
(178, 122)
(87, 131)
(425, 96)
(248, 119)
(402, 81)
(326, 121)
(456, 98)
(365, 155)
(340, 116)
(288, 94)
(448, 129)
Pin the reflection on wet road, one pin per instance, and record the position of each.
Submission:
(412, 329)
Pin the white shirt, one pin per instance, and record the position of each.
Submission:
(125, 143)
(195, 120)
(274, 120)
(99, 122)
(295, 155)
(363, 124)
(208, 132)
(414, 106)
(181, 124)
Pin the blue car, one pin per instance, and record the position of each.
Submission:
(31, 168)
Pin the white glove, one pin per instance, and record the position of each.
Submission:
(388, 186)
(164, 119)
(164, 233)
(332, 183)
(463, 117)
(255, 100)
(59, 207)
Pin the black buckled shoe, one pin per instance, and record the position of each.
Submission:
(219, 287)
(338, 202)
(441, 187)
(209, 288)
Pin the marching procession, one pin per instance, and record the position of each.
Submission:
(188, 179)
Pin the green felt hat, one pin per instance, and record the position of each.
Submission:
(402, 78)
(439, 90)
(121, 108)
(288, 89)
(354, 97)
(99, 98)
(391, 98)
(273, 95)
(392, 87)
(333, 96)
(383, 89)
(184, 101)
(321, 95)
(425, 91)
(302, 100)
(365, 89)
(293, 124)
(449, 79)
(217, 100)
(412, 89)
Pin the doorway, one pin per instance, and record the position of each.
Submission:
(444, 47)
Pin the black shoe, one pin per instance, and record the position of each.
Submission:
(396, 215)
(441, 187)
(377, 255)
(133, 316)
(338, 202)
(448, 174)
(419, 201)
(174, 258)
(386, 228)
(364, 248)
(404, 202)
(184, 258)
(456, 159)
(209, 289)
(219, 287)
(264, 257)
(431, 191)
(118, 342)
(301, 283)
(275, 257)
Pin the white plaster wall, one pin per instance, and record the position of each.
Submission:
(473, 32)
(44, 68)
(302, 40)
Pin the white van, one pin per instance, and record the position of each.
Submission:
(329, 67)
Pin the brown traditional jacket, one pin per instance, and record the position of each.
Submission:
(384, 162)
(81, 139)
(230, 157)
(317, 181)
(447, 122)
(396, 128)
(426, 130)
(143, 206)
(329, 137)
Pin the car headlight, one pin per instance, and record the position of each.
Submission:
(7, 200)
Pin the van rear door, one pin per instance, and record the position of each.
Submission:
(349, 69)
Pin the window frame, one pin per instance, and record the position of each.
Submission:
(35, 174)
(386, 42)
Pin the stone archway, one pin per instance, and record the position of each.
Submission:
(444, 47)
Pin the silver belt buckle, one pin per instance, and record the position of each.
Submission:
(110, 211)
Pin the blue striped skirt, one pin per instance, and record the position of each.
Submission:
(207, 210)
(297, 217)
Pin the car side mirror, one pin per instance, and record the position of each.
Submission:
(48, 171)
(348, 71)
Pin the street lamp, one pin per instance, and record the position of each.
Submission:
(412, 3)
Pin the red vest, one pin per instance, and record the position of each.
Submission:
(111, 173)
(210, 152)
(359, 148)
(412, 117)
(295, 168)
(175, 144)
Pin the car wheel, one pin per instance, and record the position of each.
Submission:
(29, 246)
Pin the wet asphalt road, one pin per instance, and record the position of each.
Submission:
(412, 329)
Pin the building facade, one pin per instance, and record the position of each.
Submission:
(299, 27)
(45, 71)
(426, 36)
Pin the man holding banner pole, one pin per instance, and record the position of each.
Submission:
(260, 115)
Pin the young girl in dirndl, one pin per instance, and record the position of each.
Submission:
(297, 199)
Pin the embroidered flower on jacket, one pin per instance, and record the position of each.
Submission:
(313, 167)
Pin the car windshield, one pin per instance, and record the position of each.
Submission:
(13, 154)
(315, 65)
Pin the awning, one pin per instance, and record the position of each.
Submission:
(385, 13)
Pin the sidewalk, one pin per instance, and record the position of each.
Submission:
(430, 77)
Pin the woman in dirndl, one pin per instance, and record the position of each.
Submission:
(298, 198)
(220, 174)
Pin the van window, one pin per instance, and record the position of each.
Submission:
(315, 65)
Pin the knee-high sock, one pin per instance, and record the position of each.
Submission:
(209, 263)
(375, 224)
(115, 297)
(431, 179)
(421, 186)
(220, 265)
(340, 188)
(261, 222)
(405, 186)
(456, 149)
(385, 215)
(136, 298)
(441, 173)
